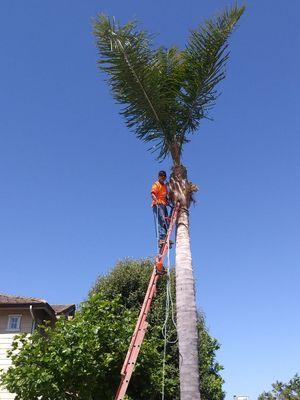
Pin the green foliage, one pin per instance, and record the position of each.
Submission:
(77, 359)
(283, 391)
(82, 358)
(130, 279)
(164, 92)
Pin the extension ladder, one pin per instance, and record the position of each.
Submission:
(141, 326)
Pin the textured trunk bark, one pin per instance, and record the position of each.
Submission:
(186, 310)
(186, 313)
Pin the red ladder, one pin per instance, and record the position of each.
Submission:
(141, 326)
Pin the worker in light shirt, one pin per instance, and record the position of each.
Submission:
(159, 194)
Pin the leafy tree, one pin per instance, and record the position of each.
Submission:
(82, 358)
(283, 391)
(77, 359)
(130, 279)
(165, 93)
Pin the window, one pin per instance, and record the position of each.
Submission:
(14, 322)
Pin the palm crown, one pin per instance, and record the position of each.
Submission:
(164, 92)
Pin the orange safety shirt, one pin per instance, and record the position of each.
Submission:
(161, 193)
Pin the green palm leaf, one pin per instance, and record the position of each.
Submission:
(164, 92)
(204, 60)
(137, 77)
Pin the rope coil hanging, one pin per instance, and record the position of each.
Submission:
(169, 311)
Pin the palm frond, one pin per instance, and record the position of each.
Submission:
(205, 57)
(137, 77)
(164, 93)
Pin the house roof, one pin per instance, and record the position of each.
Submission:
(10, 301)
(62, 308)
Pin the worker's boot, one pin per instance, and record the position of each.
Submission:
(161, 243)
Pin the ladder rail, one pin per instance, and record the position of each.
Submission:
(142, 316)
(137, 339)
(141, 325)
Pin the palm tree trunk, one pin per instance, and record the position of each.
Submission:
(181, 191)
(186, 312)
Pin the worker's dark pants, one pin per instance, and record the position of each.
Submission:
(160, 213)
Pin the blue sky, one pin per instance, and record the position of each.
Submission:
(74, 196)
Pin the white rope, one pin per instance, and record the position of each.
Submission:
(169, 305)
(169, 302)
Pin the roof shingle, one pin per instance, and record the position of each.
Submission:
(8, 299)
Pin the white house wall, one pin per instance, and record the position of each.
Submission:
(6, 339)
(5, 344)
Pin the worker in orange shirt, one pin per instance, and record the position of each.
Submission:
(159, 194)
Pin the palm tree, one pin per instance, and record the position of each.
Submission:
(165, 92)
